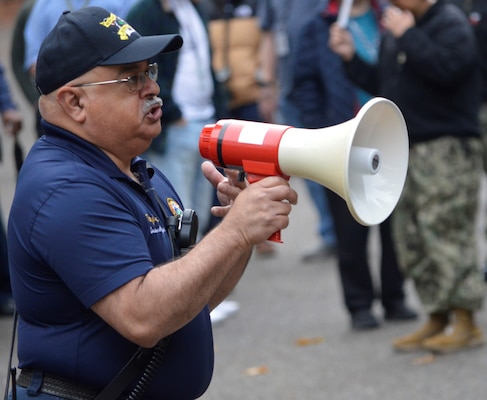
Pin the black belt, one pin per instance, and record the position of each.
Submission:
(55, 386)
(37, 381)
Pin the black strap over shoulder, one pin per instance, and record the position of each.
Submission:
(144, 363)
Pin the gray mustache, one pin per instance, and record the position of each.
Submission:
(152, 102)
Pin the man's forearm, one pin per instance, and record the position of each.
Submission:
(230, 281)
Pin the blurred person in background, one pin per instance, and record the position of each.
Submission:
(476, 11)
(281, 21)
(326, 97)
(12, 124)
(428, 65)
(235, 40)
(17, 54)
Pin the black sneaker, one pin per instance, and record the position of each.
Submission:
(400, 312)
(363, 320)
(7, 307)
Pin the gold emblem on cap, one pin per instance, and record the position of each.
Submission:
(124, 29)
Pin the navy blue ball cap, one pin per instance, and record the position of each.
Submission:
(89, 37)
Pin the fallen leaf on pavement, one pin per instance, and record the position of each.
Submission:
(305, 341)
(426, 359)
(257, 370)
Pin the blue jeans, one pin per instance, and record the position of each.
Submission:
(181, 163)
(289, 115)
(326, 227)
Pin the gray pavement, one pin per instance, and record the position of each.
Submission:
(291, 338)
(284, 301)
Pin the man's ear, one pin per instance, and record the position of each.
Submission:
(71, 100)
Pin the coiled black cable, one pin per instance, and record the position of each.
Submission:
(150, 370)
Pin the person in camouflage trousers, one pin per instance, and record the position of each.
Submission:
(428, 65)
(435, 230)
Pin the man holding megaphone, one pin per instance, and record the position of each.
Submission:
(102, 251)
(427, 64)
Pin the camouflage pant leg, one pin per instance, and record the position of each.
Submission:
(434, 223)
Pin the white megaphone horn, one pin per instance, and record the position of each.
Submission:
(363, 160)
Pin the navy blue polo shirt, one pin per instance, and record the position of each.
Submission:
(79, 229)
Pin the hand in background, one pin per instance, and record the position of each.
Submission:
(397, 21)
(341, 42)
(12, 120)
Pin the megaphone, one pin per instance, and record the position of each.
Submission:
(363, 160)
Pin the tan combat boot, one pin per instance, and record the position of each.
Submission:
(464, 333)
(436, 323)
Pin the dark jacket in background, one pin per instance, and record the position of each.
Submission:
(431, 73)
(322, 92)
(476, 11)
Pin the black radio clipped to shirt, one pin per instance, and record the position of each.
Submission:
(184, 228)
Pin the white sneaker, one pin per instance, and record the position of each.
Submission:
(224, 310)
(229, 307)
(217, 317)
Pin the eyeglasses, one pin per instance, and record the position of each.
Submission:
(135, 82)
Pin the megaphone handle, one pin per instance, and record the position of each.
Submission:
(276, 236)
